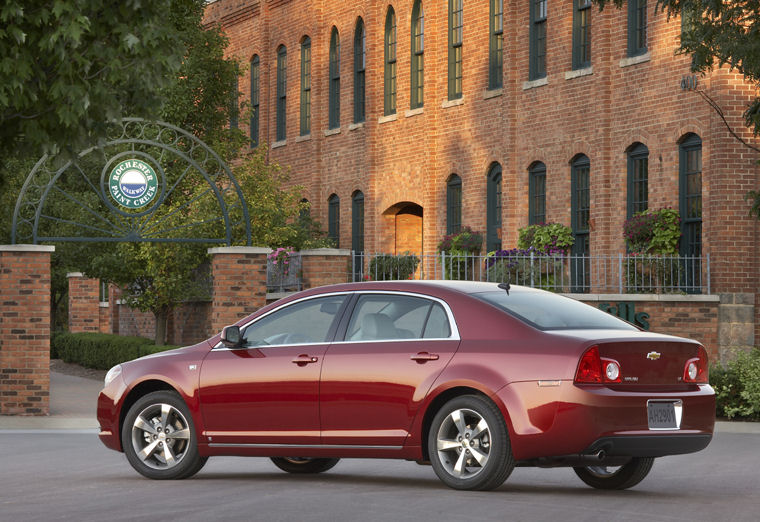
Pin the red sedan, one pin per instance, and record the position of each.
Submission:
(473, 378)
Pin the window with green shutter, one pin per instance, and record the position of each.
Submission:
(690, 209)
(305, 86)
(357, 221)
(537, 39)
(496, 44)
(537, 194)
(637, 27)
(580, 207)
(456, 22)
(638, 178)
(389, 80)
(493, 208)
(581, 34)
(333, 219)
(453, 204)
(281, 92)
(255, 79)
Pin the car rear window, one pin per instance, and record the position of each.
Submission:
(548, 311)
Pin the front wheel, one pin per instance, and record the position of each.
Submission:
(619, 477)
(158, 437)
(469, 444)
(304, 464)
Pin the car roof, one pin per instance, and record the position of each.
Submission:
(463, 287)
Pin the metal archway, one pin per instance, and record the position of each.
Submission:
(150, 181)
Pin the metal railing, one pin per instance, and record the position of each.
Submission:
(285, 277)
(616, 273)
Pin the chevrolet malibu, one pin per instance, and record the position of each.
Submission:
(472, 378)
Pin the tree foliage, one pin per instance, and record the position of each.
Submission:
(69, 66)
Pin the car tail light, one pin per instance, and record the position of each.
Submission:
(695, 370)
(593, 369)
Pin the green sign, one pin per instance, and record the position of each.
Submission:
(133, 183)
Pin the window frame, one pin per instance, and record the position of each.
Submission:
(333, 219)
(255, 99)
(334, 81)
(580, 270)
(496, 44)
(390, 69)
(305, 126)
(360, 65)
(494, 203)
(638, 37)
(537, 51)
(417, 49)
(638, 163)
(536, 172)
(357, 221)
(581, 34)
(281, 91)
(455, 33)
(453, 204)
(691, 143)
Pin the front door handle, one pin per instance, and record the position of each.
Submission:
(304, 359)
(424, 357)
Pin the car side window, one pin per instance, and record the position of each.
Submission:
(437, 325)
(379, 317)
(307, 321)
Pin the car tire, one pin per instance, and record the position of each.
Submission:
(158, 437)
(623, 477)
(469, 444)
(304, 464)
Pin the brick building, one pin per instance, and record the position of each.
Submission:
(406, 120)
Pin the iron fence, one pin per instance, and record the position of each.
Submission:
(285, 276)
(617, 273)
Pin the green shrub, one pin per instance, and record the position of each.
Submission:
(387, 267)
(653, 231)
(100, 351)
(737, 386)
(552, 238)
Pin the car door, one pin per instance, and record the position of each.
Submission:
(374, 379)
(267, 392)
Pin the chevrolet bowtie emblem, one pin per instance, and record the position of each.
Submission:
(653, 356)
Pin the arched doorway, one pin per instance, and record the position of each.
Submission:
(402, 228)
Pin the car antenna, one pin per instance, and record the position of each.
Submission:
(505, 287)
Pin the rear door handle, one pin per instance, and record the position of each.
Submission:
(303, 360)
(424, 357)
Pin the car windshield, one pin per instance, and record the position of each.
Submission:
(547, 311)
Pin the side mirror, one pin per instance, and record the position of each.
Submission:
(231, 337)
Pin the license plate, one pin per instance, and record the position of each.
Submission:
(664, 415)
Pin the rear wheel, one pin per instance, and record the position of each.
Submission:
(158, 437)
(617, 477)
(469, 444)
(304, 464)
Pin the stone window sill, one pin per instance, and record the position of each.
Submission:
(414, 112)
(386, 119)
(535, 83)
(278, 144)
(452, 103)
(332, 132)
(305, 137)
(634, 60)
(577, 73)
(492, 93)
(355, 126)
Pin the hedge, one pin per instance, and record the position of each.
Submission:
(101, 351)
(737, 386)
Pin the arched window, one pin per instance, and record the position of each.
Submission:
(333, 219)
(456, 22)
(638, 178)
(360, 63)
(389, 81)
(305, 86)
(334, 100)
(357, 221)
(453, 204)
(418, 55)
(537, 194)
(282, 79)
(690, 209)
(493, 208)
(255, 79)
(496, 44)
(580, 205)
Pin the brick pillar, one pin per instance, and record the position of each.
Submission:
(25, 329)
(84, 303)
(239, 287)
(325, 266)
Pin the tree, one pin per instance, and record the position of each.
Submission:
(69, 66)
(717, 33)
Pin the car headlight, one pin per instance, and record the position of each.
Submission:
(112, 374)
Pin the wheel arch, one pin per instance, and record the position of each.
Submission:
(134, 395)
(445, 396)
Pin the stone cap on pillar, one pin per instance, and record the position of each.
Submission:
(326, 252)
(27, 248)
(239, 250)
(74, 274)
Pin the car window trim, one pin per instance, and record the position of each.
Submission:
(340, 337)
(330, 332)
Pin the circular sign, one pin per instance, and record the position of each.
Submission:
(133, 183)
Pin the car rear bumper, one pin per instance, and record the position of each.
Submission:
(565, 419)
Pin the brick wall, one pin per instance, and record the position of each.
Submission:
(407, 158)
(25, 329)
(84, 299)
(325, 266)
(239, 276)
